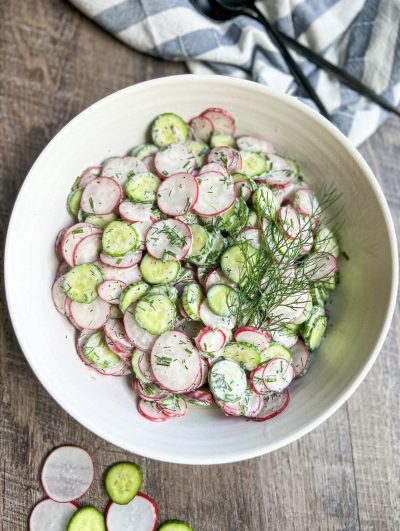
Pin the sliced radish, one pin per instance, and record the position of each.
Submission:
(256, 380)
(110, 290)
(128, 260)
(140, 514)
(251, 235)
(49, 515)
(305, 202)
(188, 327)
(274, 403)
(114, 329)
(291, 309)
(63, 268)
(144, 366)
(173, 406)
(169, 239)
(285, 337)
(91, 316)
(177, 194)
(58, 244)
(58, 294)
(120, 369)
(213, 166)
(250, 334)
(216, 276)
(176, 158)
(67, 473)
(87, 249)
(249, 405)
(320, 266)
(280, 173)
(142, 228)
(128, 275)
(202, 128)
(182, 310)
(289, 221)
(227, 157)
(175, 362)
(300, 358)
(120, 168)
(223, 122)
(213, 320)
(149, 411)
(278, 374)
(210, 339)
(133, 212)
(72, 236)
(254, 144)
(67, 308)
(89, 175)
(150, 163)
(216, 194)
(201, 395)
(123, 353)
(243, 189)
(150, 391)
(101, 196)
(138, 335)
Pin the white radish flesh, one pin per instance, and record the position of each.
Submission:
(101, 196)
(114, 329)
(72, 236)
(140, 514)
(110, 290)
(251, 235)
(58, 294)
(254, 336)
(169, 239)
(149, 411)
(120, 168)
(216, 194)
(150, 392)
(138, 335)
(89, 175)
(176, 158)
(254, 144)
(223, 122)
(300, 358)
(289, 221)
(177, 194)
(210, 339)
(49, 515)
(202, 128)
(213, 320)
(320, 266)
(133, 212)
(274, 403)
(128, 260)
(91, 316)
(278, 374)
(87, 249)
(128, 275)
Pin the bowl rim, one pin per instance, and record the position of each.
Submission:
(291, 101)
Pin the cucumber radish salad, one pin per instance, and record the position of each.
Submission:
(201, 263)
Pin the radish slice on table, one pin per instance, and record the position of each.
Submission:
(252, 235)
(128, 260)
(320, 266)
(128, 275)
(67, 473)
(133, 212)
(274, 403)
(89, 175)
(138, 335)
(254, 144)
(289, 221)
(58, 294)
(213, 320)
(175, 362)
(49, 515)
(149, 411)
(101, 196)
(115, 330)
(140, 514)
(87, 249)
(120, 168)
(300, 358)
(176, 158)
(256, 380)
(201, 127)
(202, 395)
(110, 290)
(72, 236)
(216, 194)
(278, 374)
(210, 339)
(91, 316)
(214, 166)
(223, 122)
(177, 194)
(250, 334)
(169, 239)
(149, 391)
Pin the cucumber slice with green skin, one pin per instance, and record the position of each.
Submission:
(216, 248)
(132, 294)
(241, 218)
(265, 202)
(192, 297)
(253, 163)
(98, 353)
(123, 481)
(222, 299)
(155, 313)
(164, 289)
(199, 150)
(227, 380)
(142, 187)
(87, 519)
(80, 283)
(143, 151)
(252, 219)
(201, 244)
(325, 242)
(169, 128)
(315, 313)
(74, 202)
(120, 238)
(275, 350)
(319, 295)
(245, 354)
(313, 336)
(189, 218)
(175, 525)
(100, 220)
(238, 261)
(330, 284)
(156, 271)
(218, 140)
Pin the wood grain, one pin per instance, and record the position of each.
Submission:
(343, 475)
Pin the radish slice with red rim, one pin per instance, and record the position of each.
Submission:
(177, 194)
(91, 316)
(250, 334)
(150, 163)
(213, 166)
(149, 391)
(120, 168)
(149, 411)
(63, 268)
(318, 267)
(274, 403)
(67, 307)
(110, 290)
(123, 353)
(249, 405)
(251, 235)
(101, 196)
(173, 406)
(278, 374)
(205, 368)
(201, 128)
(216, 194)
(213, 320)
(223, 122)
(227, 157)
(87, 249)
(144, 366)
(169, 239)
(243, 189)
(58, 244)
(128, 260)
(58, 294)
(254, 144)
(280, 173)
(305, 202)
(89, 175)
(138, 335)
(256, 380)
(128, 275)
(210, 339)
(216, 276)
(114, 329)
(176, 158)
(140, 514)
(200, 395)
(142, 228)
(49, 515)
(134, 212)
(300, 358)
(72, 236)
(67, 473)
(289, 221)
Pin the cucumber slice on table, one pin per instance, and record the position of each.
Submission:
(155, 313)
(175, 525)
(156, 271)
(142, 187)
(120, 238)
(222, 299)
(192, 297)
(81, 282)
(123, 481)
(87, 519)
(169, 128)
(245, 354)
(131, 294)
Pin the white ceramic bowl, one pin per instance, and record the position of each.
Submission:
(361, 312)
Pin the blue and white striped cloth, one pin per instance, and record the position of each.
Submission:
(362, 36)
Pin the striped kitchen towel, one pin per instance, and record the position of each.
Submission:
(361, 36)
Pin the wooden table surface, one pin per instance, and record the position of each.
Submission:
(343, 475)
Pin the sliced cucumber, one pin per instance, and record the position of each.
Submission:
(135, 359)
(201, 245)
(120, 238)
(169, 128)
(319, 295)
(265, 202)
(216, 247)
(98, 353)
(155, 313)
(189, 218)
(81, 282)
(253, 164)
(142, 187)
(101, 220)
(74, 202)
(247, 355)
(164, 289)
(143, 151)
(252, 219)
(222, 299)
(314, 334)
(227, 380)
(325, 242)
(131, 294)
(87, 519)
(192, 297)
(315, 313)
(199, 150)
(238, 261)
(240, 220)
(123, 481)
(219, 139)
(330, 284)
(176, 525)
(228, 218)
(275, 350)
(156, 271)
